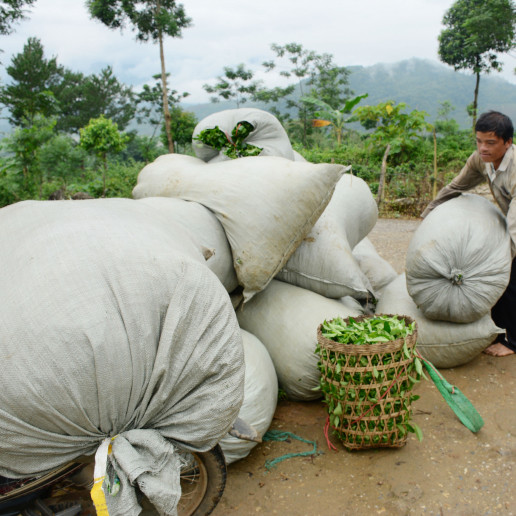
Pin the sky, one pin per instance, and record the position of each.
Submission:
(230, 32)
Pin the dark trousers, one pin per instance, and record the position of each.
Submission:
(504, 312)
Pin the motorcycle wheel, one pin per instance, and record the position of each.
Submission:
(203, 480)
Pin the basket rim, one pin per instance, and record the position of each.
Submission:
(369, 349)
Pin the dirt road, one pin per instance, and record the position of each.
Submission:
(451, 472)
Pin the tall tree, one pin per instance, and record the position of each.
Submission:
(34, 79)
(82, 98)
(475, 32)
(329, 83)
(236, 84)
(40, 86)
(10, 12)
(392, 129)
(183, 125)
(150, 106)
(151, 20)
(315, 75)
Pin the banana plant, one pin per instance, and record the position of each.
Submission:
(331, 116)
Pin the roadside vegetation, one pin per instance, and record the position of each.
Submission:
(75, 135)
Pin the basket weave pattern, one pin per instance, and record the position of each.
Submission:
(371, 383)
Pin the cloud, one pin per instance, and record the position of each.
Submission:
(229, 32)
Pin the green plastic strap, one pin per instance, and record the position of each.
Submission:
(278, 435)
(462, 407)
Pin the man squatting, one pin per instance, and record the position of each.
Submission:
(494, 162)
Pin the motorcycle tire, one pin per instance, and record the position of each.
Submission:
(202, 484)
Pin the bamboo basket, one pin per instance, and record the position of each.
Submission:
(374, 396)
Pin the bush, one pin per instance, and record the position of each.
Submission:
(120, 181)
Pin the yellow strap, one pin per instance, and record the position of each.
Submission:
(97, 492)
(99, 498)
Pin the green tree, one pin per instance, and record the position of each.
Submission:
(142, 148)
(61, 160)
(81, 98)
(10, 12)
(183, 125)
(234, 85)
(31, 91)
(475, 32)
(330, 82)
(443, 123)
(316, 76)
(151, 20)
(150, 106)
(334, 117)
(102, 137)
(40, 86)
(24, 147)
(393, 130)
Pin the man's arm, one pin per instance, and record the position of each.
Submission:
(470, 176)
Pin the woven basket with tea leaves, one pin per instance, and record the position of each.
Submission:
(368, 369)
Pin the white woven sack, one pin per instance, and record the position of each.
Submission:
(108, 328)
(268, 133)
(285, 318)
(459, 260)
(445, 344)
(203, 226)
(298, 157)
(260, 397)
(379, 271)
(267, 205)
(324, 262)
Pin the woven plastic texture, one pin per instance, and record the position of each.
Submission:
(111, 326)
(371, 383)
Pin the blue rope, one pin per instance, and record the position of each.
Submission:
(278, 435)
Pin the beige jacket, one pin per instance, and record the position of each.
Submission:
(501, 182)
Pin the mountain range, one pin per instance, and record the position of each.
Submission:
(422, 84)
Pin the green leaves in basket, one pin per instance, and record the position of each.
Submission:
(368, 395)
(382, 328)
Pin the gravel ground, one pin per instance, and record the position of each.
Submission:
(391, 238)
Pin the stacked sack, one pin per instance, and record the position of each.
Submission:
(113, 329)
(119, 314)
(457, 266)
(292, 227)
(267, 134)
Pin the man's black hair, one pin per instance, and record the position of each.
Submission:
(495, 122)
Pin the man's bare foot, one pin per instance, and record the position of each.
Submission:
(498, 350)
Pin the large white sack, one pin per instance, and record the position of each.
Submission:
(267, 205)
(108, 328)
(268, 133)
(459, 260)
(445, 344)
(299, 157)
(205, 228)
(285, 318)
(379, 271)
(324, 261)
(260, 397)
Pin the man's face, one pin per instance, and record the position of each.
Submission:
(491, 147)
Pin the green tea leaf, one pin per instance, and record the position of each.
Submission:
(418, 432)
